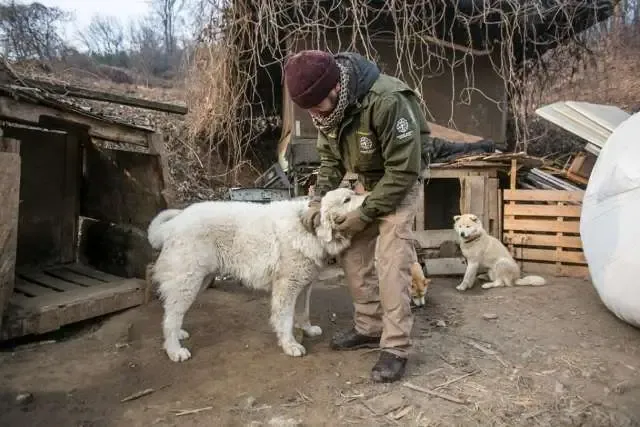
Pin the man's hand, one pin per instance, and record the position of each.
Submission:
(311, 218)
(351, 223)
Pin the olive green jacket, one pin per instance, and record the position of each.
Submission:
(381, 140)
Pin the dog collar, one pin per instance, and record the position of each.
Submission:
(474, 239)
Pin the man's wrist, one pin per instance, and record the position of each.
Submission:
(364, 217)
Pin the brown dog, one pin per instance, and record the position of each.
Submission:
(419, 285)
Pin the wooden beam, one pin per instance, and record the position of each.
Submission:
(25, 112)
(84, 93)
(10, 196)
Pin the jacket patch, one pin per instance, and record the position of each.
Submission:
(366, 145)
(402, 126)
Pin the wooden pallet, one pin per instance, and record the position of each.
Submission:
(542, 231)
(44, 300)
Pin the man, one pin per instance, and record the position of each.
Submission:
(370, 123)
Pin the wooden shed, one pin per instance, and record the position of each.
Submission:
(78, 192)
(470, 46)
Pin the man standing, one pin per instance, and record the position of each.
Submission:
(371, 124)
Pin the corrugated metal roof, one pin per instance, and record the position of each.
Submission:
(592, 122)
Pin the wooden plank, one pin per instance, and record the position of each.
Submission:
(27, 112)
(530, 254)
(46, 280)
(492, 207)
(568, 211)
(420, 211)
(561, 270)
(32, 289)
(84, 93)
(76, 278)
(91, 272)
(445, 266)
(48, 313)
(9, 211)
(528, 239)
(543, 195)
(434, 238)
(528, 225)
(436, 172)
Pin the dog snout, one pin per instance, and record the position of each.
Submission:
(463, 234)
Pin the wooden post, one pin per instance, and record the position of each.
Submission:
(10, 196)
(512, 186)
(420, 212)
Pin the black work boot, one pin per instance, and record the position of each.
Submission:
(388, 368)
(352, 340)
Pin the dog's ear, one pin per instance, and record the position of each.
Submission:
(325, 229)
(473, 218)
(456, 218)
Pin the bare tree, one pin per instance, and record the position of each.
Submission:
(168, 12)
(104, 35)
(145, 46)
(31, 31)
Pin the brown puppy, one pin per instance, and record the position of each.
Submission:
(419, 285)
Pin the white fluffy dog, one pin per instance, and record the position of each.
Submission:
(263, 245)
(483, 250)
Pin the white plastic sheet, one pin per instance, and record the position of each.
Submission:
(610, 222)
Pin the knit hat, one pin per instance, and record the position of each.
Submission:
(310, 75)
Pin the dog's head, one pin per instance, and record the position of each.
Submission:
(467, 226)
(419, 285)
(335, 203)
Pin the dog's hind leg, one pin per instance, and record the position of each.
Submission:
(283, 304)
(304, 323)
(177, 297)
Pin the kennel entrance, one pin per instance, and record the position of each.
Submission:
(448, 191)
(55, 268)
(50, 287)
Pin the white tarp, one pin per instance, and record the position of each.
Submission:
(610, 222)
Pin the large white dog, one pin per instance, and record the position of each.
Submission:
(263, 245)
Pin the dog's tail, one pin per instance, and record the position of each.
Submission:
(156, 232)
(531, 281)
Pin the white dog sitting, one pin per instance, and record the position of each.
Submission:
(483, 250)
(263, 245)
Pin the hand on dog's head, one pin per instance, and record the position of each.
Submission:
(334, 204)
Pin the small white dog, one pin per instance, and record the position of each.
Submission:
(263, 245)
(483, 250)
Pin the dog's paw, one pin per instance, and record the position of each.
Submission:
(462, 287)
(179, 355)
(490, 285)
(419, 301)
(183, 335)
(313, 331)
(294, 349)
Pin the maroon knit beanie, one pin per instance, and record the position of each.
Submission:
(310, 75)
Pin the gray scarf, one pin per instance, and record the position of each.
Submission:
(345, 97)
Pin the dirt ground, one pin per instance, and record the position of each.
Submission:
(504, 357)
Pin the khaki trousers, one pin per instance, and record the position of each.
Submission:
(381, 298)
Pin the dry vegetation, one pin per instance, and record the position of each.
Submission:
(230, 74)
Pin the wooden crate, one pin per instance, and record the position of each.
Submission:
(542, 231)
(44, 300)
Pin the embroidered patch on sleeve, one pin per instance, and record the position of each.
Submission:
(366, 145)
(402, 126)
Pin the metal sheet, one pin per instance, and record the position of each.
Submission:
(260, 195)
(591, 122)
